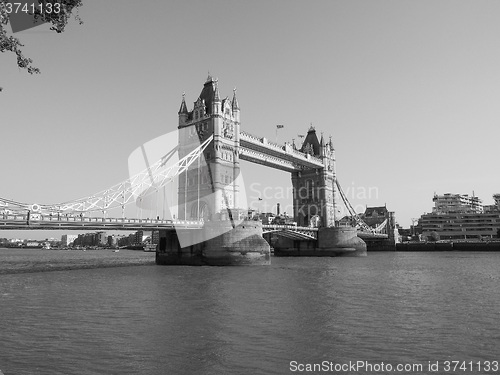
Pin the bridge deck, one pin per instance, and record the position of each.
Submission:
(13, 222)
(20, 222)
(370, 236)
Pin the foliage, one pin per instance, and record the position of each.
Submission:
(433, 236)
(57, 20)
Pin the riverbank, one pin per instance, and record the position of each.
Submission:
(449, 246)
(41, 260)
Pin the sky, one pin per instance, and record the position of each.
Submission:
(408, 90)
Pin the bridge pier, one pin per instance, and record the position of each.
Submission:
(331, 242)
(342, 241)
(239, 246)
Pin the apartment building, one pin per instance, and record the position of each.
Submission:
(461, 217)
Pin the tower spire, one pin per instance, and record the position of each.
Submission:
(216, 91)
(234, 103)
(183, 108)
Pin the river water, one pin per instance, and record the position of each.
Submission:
(395, 308)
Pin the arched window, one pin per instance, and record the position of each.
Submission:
(204, 211)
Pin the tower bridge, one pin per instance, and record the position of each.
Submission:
(208, 225)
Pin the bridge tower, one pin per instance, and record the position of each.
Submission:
(314, 198)
(208, 189)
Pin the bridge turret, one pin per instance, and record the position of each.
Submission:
(235, 107)
(216, 103)
(183, 111)
(211, 190)
(323, 149)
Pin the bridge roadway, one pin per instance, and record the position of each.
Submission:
(46, 222)
(19, 222)
(12, 222)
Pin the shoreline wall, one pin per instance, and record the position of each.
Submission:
(448, 246)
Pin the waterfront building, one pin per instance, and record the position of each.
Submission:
(493, 207)
(451, 203)
(129, 240)
(123, 240)
(112, 241)
(68, 239)
(374, 216)
(138, 237)
(101, 239)
(155, 237)
(460, 217)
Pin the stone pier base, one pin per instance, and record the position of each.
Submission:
(331, 242)
(216, 244)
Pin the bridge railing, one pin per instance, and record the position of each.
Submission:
(289, 226)
(34, 218)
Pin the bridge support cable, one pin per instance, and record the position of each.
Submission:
(135, 188)
(381, 227)
(359, 222)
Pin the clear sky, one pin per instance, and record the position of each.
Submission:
(408, 90)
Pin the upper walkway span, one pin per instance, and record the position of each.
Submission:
(261, 151)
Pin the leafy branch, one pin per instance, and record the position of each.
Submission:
(57, 20)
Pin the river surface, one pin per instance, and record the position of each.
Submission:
(395, 308)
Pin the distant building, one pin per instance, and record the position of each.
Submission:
(138, 237)
(267, 218)
(374, 216)
(112, 241)
(460, 217)
(251, 214)
(123, 240)
(68, 239)
(493, 207)
(452, 203)
(101, 239)
(155, 237)
(382, 220)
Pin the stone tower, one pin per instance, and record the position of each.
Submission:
(210, 187)
(314, 200)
